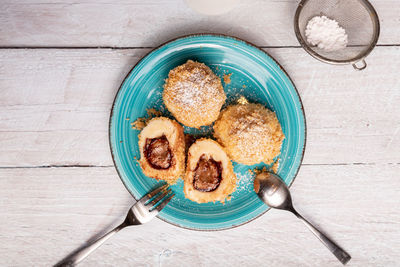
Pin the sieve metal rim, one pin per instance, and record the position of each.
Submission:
(362, 56)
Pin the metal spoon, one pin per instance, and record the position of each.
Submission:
(274, 192)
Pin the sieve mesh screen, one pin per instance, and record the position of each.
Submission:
(357, 17)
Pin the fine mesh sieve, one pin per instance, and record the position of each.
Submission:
(357, 17)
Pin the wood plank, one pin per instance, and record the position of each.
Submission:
(150, 23)
(54, 210)
(54, 106)
(65, 96)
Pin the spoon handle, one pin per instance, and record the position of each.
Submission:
(340, 254)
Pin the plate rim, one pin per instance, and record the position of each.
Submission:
(203, 35)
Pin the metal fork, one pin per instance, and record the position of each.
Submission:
(141, 212)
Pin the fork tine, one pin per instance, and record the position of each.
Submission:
(153, 193)
(164, 203)
(160, 196)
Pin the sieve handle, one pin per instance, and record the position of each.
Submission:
(361, 67)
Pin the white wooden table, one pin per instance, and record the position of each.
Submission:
(61, 63)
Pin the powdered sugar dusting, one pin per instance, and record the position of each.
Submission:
(250, 133)
(326, 33)
(244, 182)
(194, 94)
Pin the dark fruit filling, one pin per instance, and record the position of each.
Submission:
(158, 153)
(207, 175)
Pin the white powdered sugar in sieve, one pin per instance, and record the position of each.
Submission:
(326, 33)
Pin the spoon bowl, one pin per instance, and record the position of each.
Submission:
(273, 191)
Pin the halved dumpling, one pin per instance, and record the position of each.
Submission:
(209, 173)
(162, 149)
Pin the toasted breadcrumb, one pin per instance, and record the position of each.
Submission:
(242, 100)
(151, 112)
(140, 123)
(275, 167)
(227, 78)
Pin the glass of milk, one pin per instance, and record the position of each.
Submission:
(212, 7)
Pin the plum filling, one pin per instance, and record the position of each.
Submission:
(207, 175)
(158, 153)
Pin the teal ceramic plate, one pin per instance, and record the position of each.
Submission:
(255, 75)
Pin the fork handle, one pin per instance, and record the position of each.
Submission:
(81, 253)
(340, 254)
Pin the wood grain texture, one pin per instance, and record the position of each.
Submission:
(54, 111)
(55, 105)
(48, 212)
(149, 23)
